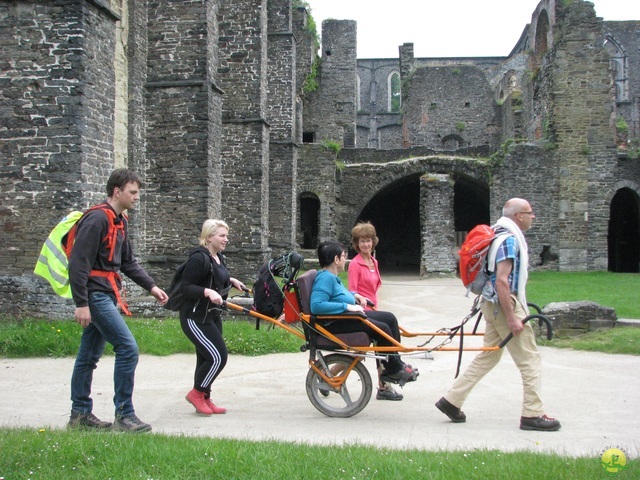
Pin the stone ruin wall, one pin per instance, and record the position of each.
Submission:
(205, 134)
(331, 109)
(199, 126)
(449, 107)
(581, 129)
(58, 97)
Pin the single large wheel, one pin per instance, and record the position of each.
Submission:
(350, 398)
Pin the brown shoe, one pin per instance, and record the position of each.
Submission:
(454, 413)
(130, 423)
(542, 423)
(86, 420)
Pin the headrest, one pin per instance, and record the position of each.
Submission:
(305, 283)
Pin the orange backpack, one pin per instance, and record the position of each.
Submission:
(474, 271)
(473, 252)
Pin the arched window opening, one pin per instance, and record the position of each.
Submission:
(624, 232)
(309, 220)
(542, 31)
(618, 63)
(471, 200)
(452, 142)
(394, 89)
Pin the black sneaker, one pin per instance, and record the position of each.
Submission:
(388, 393)
(86, 420)
(454, 413)
(130, 423)
(542, 423)
(406, 374)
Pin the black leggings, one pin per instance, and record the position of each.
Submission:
(385, 321)
(211, 351)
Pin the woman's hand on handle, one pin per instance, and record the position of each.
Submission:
(213, 296)
(238, 285)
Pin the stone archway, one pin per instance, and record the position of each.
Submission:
(471, 202)
(395, 212)
(411, 204)
(624, 232)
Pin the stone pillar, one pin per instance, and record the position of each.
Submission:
(334, 103)
(282, 119)
(182, 131)
(245, 135)
(437, 229)
(407, 60)
(582, 91)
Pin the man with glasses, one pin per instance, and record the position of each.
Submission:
(503, 310)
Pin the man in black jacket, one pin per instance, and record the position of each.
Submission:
(101, 248)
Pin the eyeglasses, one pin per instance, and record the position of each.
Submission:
(527, 213)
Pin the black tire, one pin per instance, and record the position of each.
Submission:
(354, 394)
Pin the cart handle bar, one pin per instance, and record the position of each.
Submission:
(531, 317)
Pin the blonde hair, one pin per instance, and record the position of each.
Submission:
(211, 227)
(363, 230)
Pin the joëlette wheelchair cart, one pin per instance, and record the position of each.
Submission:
(338, 384)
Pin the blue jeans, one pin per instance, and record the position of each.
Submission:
(107, 325)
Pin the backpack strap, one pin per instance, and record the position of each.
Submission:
(113, 231)
(493, 250)
(112, 276)
(209, 266)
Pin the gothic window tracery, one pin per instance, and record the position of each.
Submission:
(618, 63)
(394, 92)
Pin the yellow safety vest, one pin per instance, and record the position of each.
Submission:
(52, 264)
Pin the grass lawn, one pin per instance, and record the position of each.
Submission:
(617, 290)
(61, 454)
(31, 338)
(42, 338)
